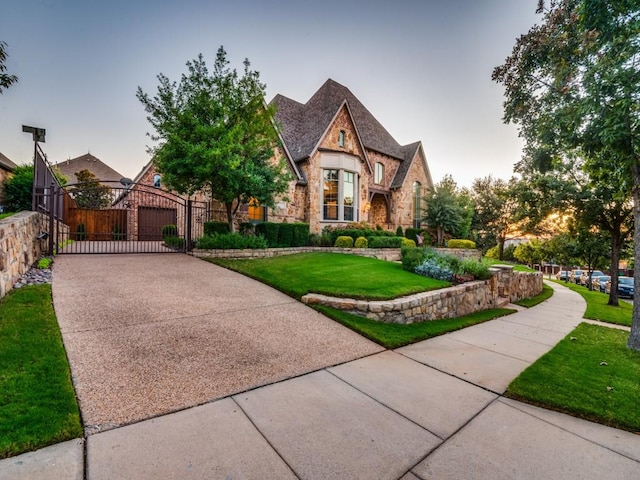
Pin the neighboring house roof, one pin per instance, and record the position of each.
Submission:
(102, 171)
(303, 125)
(6, 163)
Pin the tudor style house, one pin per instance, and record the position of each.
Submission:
(345, 166)
(348, 168)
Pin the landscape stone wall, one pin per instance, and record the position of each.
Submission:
(503, 287)
(388, 254)
(19, 247)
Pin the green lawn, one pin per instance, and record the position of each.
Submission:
(597, 308)
(37, 402)
(5, 215)
(546, 293)
(590, 374)
(334, 274)
(394, 335)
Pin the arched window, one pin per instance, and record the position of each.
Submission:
(379, 174)
(417, 204)
(157, 180)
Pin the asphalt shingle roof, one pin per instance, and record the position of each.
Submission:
(6, 163)
(104, 172)
(302, 125)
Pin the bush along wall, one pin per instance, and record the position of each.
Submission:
(457, 243)
(385, 242)
(283, 235)
(211, 228)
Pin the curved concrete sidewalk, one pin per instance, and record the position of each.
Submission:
(429, 410)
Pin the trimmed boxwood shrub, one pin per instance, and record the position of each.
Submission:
(344, 242)
(459, 243)
(285, 234)
(361, 242)
(407, 242)
(215, 227)
(399, 232)
(230, 241)
(359, 232)
(173, 242)
(300, 234)
(269, 231)
(385, 242)
(169, 231)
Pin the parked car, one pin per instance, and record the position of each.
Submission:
(562, 275)
(584, 278)
(574, 276)
(626, 287)
(600, 282)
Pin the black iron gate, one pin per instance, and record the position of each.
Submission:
(115, 216)
(137, 218)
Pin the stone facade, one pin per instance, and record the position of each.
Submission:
(449, 302)
(19, 247)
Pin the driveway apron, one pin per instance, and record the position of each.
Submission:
(151, 334)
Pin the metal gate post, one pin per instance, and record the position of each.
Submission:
(187, 236)
(53, 203)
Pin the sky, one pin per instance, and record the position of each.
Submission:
(421, 67)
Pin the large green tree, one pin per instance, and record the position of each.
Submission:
(572, 83)
(6, 80)
(496, 211)
(89, 192)
(17, 190)
(216, 135)
(447, 210)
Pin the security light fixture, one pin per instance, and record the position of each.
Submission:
(43, 236)
(38, 133)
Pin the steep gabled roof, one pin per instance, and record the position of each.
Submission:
(104, 172)
(6, 163)
(303, 125)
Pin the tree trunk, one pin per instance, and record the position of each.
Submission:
(229, 208)
(501, 241)
(615, 261)
(440, 235)
(634, 336)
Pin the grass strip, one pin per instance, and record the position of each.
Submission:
(546, 293)
(597, 308)
(590, 374)
(335, 274)
(37, 402)
(394, 335)
(517, 267)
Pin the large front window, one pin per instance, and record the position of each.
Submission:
(340, 199)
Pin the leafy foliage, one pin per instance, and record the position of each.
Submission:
(89, 193)
(435, 268)
(572, 86)
(18, 189)
(211, 228)
(447, 210)
(385, 242)
(458, 243)
(343, 242)
(6, 80)
(216, 135)
(361, 242)
(229, 241)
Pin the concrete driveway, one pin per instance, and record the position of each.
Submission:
(155, 333)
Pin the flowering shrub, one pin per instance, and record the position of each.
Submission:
(433, 268)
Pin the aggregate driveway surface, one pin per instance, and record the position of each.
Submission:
(154, 333)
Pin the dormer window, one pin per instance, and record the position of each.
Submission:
(379, 174)
(341, 138)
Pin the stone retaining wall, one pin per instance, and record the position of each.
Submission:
(19, 247)
(388, 254)
(504, 286)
